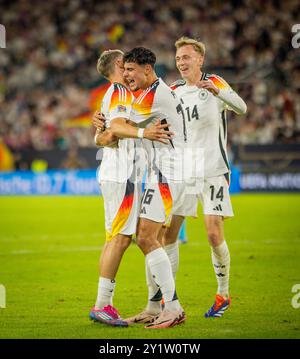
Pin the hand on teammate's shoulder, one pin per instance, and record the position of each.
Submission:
(209, 86)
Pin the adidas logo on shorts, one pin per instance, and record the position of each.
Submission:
(218, 208)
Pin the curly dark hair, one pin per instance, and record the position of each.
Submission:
(141, 56)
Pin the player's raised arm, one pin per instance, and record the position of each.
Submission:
(220, 88)
(155, 132)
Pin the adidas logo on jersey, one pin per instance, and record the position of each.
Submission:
(218, 208)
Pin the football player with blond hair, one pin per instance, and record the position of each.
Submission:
(205, 100)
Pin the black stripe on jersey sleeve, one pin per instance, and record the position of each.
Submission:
(222, 150)
(227, 177)
(163, 122)
(224, 124)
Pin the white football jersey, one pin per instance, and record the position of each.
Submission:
(159, 102)
(205, 119)
(117, 162)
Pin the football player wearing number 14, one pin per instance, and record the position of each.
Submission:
(205, 98)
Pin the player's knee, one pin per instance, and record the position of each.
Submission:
(144, 241)
(214, 238)
(125, 243)
(122, 242)
(144, 238)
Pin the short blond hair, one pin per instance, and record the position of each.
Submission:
(106, 61)
(197, 45)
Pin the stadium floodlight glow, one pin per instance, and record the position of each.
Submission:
(2, 296)
(2, 37)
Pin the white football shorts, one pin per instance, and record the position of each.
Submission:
(122, 203)
(214, 197)
(160, 200)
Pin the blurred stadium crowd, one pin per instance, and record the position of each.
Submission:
(49, 66)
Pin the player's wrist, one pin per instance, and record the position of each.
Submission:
(217, 91)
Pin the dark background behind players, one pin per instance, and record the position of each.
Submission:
(48, 68)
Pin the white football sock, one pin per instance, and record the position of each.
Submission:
(221, 262)
(160, 268)
(154, 292)
(106, 289)
(172, 251)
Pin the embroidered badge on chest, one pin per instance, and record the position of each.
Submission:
(203, 94)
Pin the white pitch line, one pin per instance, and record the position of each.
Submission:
(68, 250)
(46, 237)
(84, 248)
(21, 251)
(63, 250)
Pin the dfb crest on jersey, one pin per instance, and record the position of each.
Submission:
(203, 94)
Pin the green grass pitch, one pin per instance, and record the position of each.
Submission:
(49, 249)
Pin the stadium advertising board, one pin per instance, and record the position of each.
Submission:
(83, 182)
(52, 182)
(264, 182)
